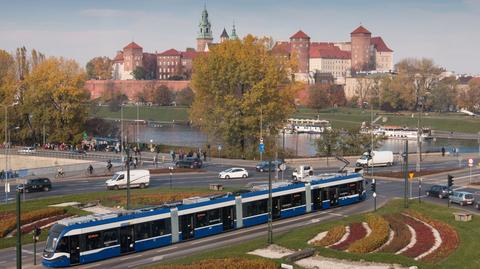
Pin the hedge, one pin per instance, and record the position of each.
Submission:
(333, 236)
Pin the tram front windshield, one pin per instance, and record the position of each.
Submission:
(53, 235)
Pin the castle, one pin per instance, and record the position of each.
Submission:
(334, 62)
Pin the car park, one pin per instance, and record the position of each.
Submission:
(35, 184)
(462, 198)
(235, 172)
(189, 163)
(439, 191)
(27, 150)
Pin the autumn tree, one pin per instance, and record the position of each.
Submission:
(185, 97)
(139, 73)
(162, 96)
(7, 77)
(236, 83)
(470, 98)
(318, 96)
(99, 68)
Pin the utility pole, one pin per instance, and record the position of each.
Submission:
(136, 133)
(261, 130)
(6, 153)
(419, 138)
(121, 132)
(19, 232)
(270, 202)
(405, 173)
(127, 151)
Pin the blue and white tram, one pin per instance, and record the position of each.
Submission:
(91, 238)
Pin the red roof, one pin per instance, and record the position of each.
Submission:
(380, 45)
(170, 52)
(118, 57)
(282, 48)
(300, 34)
(189, 54)
(360, 30)
(132, 45)
(329, 52)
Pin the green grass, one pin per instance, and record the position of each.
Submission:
(154, 113)
(349, 118)
(466, 256)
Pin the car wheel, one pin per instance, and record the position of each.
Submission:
(191, 166)
(462, 203)
(244, 176)
(227, 177)
(142, 186)
(115, 187)
(294, 178)
(46, 188)
(440, 196)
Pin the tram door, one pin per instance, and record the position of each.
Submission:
(127, 242)
(317, 199)
(74, 249)
(187, 227)
(228, 215)
(276, 208)
(333, 194)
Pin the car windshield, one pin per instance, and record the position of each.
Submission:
(52, 239)
(228, 170)
(115, 176)
(364, 157)
(468, 196)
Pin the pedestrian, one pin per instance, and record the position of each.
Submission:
(204, 156)
(443, 151)
(135, 163)
(155, 160)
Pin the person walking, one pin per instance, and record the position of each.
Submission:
(443, 151)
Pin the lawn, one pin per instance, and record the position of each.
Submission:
(140, 198)
(465, 256)
(154, 113)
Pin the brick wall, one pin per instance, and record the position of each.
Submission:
(130, 87)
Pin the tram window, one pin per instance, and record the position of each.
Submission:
(286, 201)
(63, 245)
(214, 216)
(142, 231)
(110, 237)
(93, 241)
(201, 219)
(160, 227)
(298, 199)
(255, 208)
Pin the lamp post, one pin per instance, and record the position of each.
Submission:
(171, 174)
(270, 204)
(127, 151)
(121, 132)
(19, 233)
(136, 132)
(478, 140)
(419, 130)
(261, 130)
(6, 149)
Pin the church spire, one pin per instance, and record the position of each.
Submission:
(233, 36)
(205, 28)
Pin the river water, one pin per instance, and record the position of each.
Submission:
(301, 144)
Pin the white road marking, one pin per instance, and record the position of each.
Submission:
(27, 251)
(157, 258)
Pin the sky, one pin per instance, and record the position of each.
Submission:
(446, 31)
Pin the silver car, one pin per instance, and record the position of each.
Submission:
(462, 198)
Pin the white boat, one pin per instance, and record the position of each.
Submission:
(310, 126)
(397, 132)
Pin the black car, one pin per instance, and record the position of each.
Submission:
(439, 191)
(36, 184)
(189, 163)
(263, 166)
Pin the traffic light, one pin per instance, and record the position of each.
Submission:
(37, 231)
(373, 186)
(450, 180)
(369, 154)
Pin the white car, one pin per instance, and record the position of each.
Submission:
(234, 172)
(27, 150)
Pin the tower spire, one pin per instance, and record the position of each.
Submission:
(205, 35)
(233, 35)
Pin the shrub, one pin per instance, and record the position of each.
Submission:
(9, 224)
(402, 235)
(229, 263)
(450, 238)
(377, 237)
(425, 238)
(357, 232)
(333, 236)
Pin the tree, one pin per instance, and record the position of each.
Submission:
(352, 142)
(55, 97)
(7, 77)
(470, 98)
(101, 127)
(236, 83)
(162, 96)
(318, 96)
(442, 96)
(139, 73)
(185, 97)
(99, 68)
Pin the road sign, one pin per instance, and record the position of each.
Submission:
(374, 194)
(470, 162)
(261, 147)
(7, 187)
(411, 175)
(219, 147)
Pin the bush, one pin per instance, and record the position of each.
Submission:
(357, 232)
(333, 236)
(377, 237)
(402, 235)
(229, 263)
(9, 224)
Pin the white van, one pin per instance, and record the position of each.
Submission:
(379, 158)
(138, 178)
(302, 172)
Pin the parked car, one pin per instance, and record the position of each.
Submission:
(462, 198)
(189, 163)
(35, 184)
(234, 172)
(302, 172)
(138, 178)
(263, 166)
(439, 191)
(27, 150)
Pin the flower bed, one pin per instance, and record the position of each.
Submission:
(229, 263)
(333, 236)
(425, 238)
(378, 236)
(8, 224)
(41, 223)
(450, 239)
(155, 198)
(401, 236)
(357, 232)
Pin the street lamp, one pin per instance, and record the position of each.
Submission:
(6, 149)
(419, 131)
(171, 174)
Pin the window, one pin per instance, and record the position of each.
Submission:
(93, 241)
(142, 231)
(160, 227)
(63, 245)
(110, 237)
(214, 216)
(255, 208)
(201, 219)
(298, 199)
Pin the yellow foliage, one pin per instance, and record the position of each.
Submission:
(333, 235)
(378, 236)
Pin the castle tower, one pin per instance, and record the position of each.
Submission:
(205, 32)
(224, 36)
(361, 56)
(132, 57)
(233, 35)
(300, 46)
